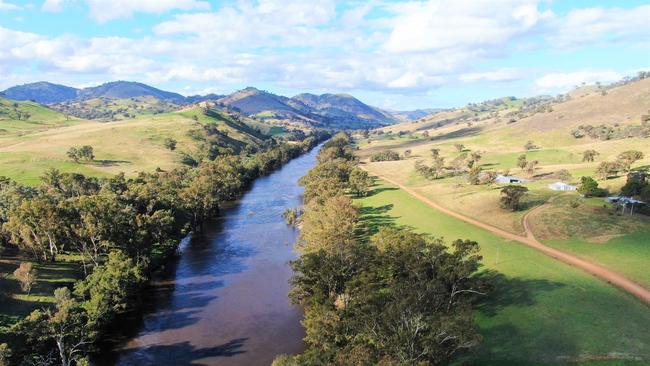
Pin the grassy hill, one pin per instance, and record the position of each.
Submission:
(30, 147)
(110, 109)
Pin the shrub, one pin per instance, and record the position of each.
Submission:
(387, 155)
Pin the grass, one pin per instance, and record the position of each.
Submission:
(15, 304)
(128, 146)
(627, 254)
(542, 311)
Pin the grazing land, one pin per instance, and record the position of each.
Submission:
(542, 311)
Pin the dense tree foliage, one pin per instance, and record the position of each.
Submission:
(511, 196)
(387, 155)
(121, 229)
(395, 298)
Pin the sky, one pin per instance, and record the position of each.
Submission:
(397, 55)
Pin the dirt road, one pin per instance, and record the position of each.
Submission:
(599, 271)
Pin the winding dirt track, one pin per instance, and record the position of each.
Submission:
(599, 271)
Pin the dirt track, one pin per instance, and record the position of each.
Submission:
(599, 271)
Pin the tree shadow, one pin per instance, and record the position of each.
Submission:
(379, 190)
(182, 353)
(106, 162)
(510, 291)
(374, 218)
(504, 343)
(463, 132)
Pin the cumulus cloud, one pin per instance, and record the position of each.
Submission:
(8, 6)
(434, 25)
(601, 25)
(562, 82)
(106, 10)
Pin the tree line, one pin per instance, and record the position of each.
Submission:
(392, 298)
(121, 229)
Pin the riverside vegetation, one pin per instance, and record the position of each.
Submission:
(117, 231)
(396, 298)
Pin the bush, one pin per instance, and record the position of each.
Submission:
(387, 155)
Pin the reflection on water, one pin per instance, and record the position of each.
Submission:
(224, 301)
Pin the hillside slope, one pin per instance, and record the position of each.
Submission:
(29, 148)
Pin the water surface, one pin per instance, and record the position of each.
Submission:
(224, 301)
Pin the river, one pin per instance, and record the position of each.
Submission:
(224, 300)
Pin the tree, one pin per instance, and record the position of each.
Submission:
(387, 155)
(86, 153)
(589, 188)
(608, 169)
(511, 197)
(531, 167)
(435, 153)
(589, 155)
(407, 153)
(73, 154)
(530, 145)
(459, 147)
(65, 329)
(170, 143)
(474, 176)
(26, 274)
(522, 162)
(329, 227)
(474, 158)
(563, 175)
(627, 158)
(359, 182)
(290, 215)
(38, 225)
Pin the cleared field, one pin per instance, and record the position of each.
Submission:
(127, 146)
(541, 312)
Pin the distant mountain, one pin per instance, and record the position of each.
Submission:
(48, 93)
(202, 98)
(327, 110)
(414, 114)
(41, 92)
(128, 89)
(343, 107)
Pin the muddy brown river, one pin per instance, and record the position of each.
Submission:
(224, 301)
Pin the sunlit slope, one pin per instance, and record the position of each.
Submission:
(125, 146)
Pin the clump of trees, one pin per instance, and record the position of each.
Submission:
(623, 163)
(395, 298)
(637, 185)
(85, 152)
(616, 132)
(387, 155)
(511, 197)
(530, 145)
(588, 187)
(120, 229)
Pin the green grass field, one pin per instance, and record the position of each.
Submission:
(542, 312)
(627, 254)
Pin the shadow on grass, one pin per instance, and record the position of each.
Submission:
(464, 132)
(379, 190)
(506, 342)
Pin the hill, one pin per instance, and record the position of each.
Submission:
(41, 92)
(325, 111)
(124, 99)
(41, 137)
(344, 107)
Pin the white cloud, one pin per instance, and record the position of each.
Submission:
(601, 25)
(106, 10)
(562, 82)
(440, 24)
(8, 6)
(504, 74)
(54, 6)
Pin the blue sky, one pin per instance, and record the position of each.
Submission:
(393, 54)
